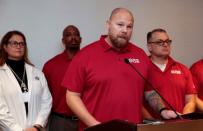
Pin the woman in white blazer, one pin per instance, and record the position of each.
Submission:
(25, 100)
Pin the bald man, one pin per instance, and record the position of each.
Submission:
(62, 118)
(101, 86)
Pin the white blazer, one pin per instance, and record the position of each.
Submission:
(12, 107)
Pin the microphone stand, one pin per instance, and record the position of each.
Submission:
(148, 83)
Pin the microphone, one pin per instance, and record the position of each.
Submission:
(148, 83)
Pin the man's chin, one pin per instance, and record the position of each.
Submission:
(122, 43)
(73, 48)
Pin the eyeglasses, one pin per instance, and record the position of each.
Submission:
(16, 44)
(161, 42)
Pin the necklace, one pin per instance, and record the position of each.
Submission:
(23, 86)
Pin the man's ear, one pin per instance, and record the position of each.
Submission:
(63, 41)
(107, 24)
(149, 47)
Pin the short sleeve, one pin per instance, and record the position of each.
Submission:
(74, 78)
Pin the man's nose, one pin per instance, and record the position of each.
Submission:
(124, 29)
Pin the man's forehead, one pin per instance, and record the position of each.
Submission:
(159, 34)
(71, 28)
(122, 16)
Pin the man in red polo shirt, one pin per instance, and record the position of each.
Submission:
(101, 86)
(62, 119)
(172, 79)
(197, 73)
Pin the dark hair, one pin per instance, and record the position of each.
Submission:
(71, 26)
(5, 40)
(149, 34)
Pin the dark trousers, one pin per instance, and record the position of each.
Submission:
(57, 123)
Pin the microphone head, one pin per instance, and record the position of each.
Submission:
(126, 60)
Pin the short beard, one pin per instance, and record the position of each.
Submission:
(118, 43)
(74, 48)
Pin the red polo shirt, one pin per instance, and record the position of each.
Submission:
(54, 71)
(173, 84)
(197, 73)
(109, 87)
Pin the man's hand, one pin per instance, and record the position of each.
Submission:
(168, 114)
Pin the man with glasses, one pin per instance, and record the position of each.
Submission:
(172, 79)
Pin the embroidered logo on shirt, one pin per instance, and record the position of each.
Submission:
(178, 72)
(134, 60)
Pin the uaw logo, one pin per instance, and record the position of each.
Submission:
(133, 60)
(178, 72)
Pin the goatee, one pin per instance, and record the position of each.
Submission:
(74, 49)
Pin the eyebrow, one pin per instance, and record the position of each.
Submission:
(163, 40)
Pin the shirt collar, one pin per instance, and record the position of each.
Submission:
(65, 55)
(170, 63)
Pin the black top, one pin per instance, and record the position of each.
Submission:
(18, 68)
